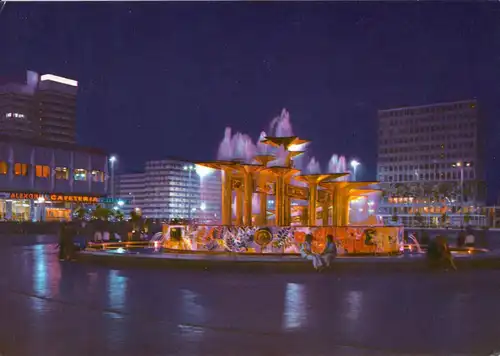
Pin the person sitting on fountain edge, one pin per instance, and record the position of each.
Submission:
(470, 239)
(439, 254)
(307, 253)
(330, 251)
(461, 238)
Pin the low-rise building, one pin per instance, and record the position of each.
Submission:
(42, 180)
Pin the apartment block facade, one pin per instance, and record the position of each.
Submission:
(431, 154)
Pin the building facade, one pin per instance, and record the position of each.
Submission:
(430, 162)
(43, 107)
(41, 180)
(172, 189)
(210, 195)
(131, 187)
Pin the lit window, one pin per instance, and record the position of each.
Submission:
(42, 171)
(21, 169)
(61, 173)
(14, 114)
(4, 167)
(97, 176)
(80, 174)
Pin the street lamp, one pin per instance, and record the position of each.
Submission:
(133, 198)
(354, 165)
(461, 166)
(189, 168)
(112, 161)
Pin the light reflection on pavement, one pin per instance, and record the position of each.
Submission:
(53, 308)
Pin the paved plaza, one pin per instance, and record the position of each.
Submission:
(53, 308)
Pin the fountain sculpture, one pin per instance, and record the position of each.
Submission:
(323, 208)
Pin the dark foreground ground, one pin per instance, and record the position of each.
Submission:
(49, 308)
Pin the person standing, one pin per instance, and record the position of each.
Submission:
(461, 238)
(69, 244)
(62, 241)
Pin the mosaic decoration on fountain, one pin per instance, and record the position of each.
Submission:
(272, 239)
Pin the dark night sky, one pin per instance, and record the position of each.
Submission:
(165, 79)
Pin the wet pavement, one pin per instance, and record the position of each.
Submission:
(53, 308)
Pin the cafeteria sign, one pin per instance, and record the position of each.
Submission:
(56, 197)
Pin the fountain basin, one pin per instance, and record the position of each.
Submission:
(125, 254)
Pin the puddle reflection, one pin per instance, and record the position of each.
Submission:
(191, 309)
(117, 290)
(46, 276)
(46, 273)
(295, 313)
(192, 312)
(354, 300)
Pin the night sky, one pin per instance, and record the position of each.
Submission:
(165, 79)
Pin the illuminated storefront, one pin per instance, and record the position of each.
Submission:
(26, 206)
(41, 180)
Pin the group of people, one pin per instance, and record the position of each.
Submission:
(320, 260)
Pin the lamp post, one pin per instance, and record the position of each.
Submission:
(354, 165)
(133, 198)
(112, 161)
(461, 165)
(189, 168)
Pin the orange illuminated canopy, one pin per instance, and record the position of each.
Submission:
(287, 142)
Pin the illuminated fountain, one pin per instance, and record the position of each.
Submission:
(314, 203)
(269, 205)
(268, 201)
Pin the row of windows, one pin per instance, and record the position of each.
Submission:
(426, 176)
(171, 173)
(427, 110)
(449, 121)
(14, 115)
(427, 138)
(417, 157)
(442, 156)
(166, 180)
(162, 190)
(453, 146)
(430, 128)
(164, 198)
(431, 119)
(43, 171)
(422, 166)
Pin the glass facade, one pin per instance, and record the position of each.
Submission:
(171, 189)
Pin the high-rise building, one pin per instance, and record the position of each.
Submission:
(131, 188)
(42, 107)
(431, 153)
(172, 189)
(56, 99)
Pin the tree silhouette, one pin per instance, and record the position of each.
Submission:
(101, 213)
